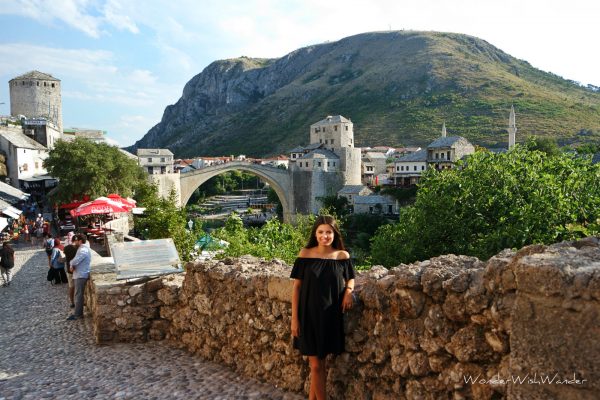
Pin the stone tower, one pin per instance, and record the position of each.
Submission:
(444, 130)
(512, 128)
(37, 95)
(336, 134)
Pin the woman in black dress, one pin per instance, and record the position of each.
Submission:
(323, 284)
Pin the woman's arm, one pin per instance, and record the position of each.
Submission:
(347, 300)
(295, 300)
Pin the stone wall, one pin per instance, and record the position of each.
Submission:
(449, 327)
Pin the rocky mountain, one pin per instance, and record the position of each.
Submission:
(397, 87)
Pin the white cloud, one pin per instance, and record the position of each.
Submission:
(82, 15)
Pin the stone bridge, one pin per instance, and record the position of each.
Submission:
(279, 179)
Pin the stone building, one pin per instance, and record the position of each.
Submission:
(408, 169)
(156, 161)
(351, 191)
(375, 204)
(373, 164)
(443, 152)
(25, 161)
(329, 162)
(159, 164)
(36, 95)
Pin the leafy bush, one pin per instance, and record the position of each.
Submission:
(493, 202)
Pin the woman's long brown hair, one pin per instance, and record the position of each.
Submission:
(338, 241)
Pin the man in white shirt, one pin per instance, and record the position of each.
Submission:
(80, 265)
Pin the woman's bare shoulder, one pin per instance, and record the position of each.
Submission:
(304, 252)
(342, 255)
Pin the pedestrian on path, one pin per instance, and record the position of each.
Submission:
(70, 252)
(80, 266)
(7, 262)
(323, 284)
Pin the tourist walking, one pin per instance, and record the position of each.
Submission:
(57, 262)
(7, 262)
(80, 265)
(70, 252)
(323, 283)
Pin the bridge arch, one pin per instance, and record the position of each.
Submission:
(278, 178)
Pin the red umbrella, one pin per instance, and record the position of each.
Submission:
(102, 205)
(128, 202)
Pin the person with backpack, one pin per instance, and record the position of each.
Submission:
(7, 262)
(48, 246)
(57, 262)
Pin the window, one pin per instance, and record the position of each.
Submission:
(442, 156)
(319, 163)
(346, 127)
(293, 155)
(25, 167)
(369, 169)
(307, 163)
(36, 165)
(350, 140)
(45, 84)
(448, 155)
(397, 168)
(149, 159)
(38, 83)
(162, 159)
(415, 168)
(325, 141)
(370, 210)
(332, 141)
(437, 156)
(422, 167)
(320, 140)
(53, 85)
(335, 128)
(334, 163)
(328, 163)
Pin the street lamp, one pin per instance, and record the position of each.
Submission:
(190, 224)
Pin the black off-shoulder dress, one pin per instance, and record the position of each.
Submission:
(320, 306)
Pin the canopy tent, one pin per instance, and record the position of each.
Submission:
(127, 202)
(70, 206)
(102, 205)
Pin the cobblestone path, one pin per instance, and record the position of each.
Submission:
(43, 356)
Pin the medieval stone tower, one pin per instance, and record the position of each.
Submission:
(36, 95)
(337, 135)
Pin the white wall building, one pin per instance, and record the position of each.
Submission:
(156, 161)
(408, 169)
(24, 157)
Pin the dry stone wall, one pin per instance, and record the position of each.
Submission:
(523, 325)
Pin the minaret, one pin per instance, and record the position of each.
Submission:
(512, 128)
(444, 129)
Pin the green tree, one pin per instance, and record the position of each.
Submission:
(493, 202)
(83, 167)
(163, 219)
(335, 204)
(543, 144)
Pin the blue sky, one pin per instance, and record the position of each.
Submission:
(121, 62)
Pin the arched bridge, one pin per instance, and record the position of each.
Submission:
(279, 179)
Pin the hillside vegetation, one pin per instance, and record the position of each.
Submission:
(397, 87)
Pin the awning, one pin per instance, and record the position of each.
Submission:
(37, 178)
(3, 223)
(11, 212)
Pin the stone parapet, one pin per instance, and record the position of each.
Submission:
(449, 327)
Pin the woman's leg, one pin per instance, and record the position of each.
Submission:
(318, 378)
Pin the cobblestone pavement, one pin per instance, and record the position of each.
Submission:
(43, 356)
